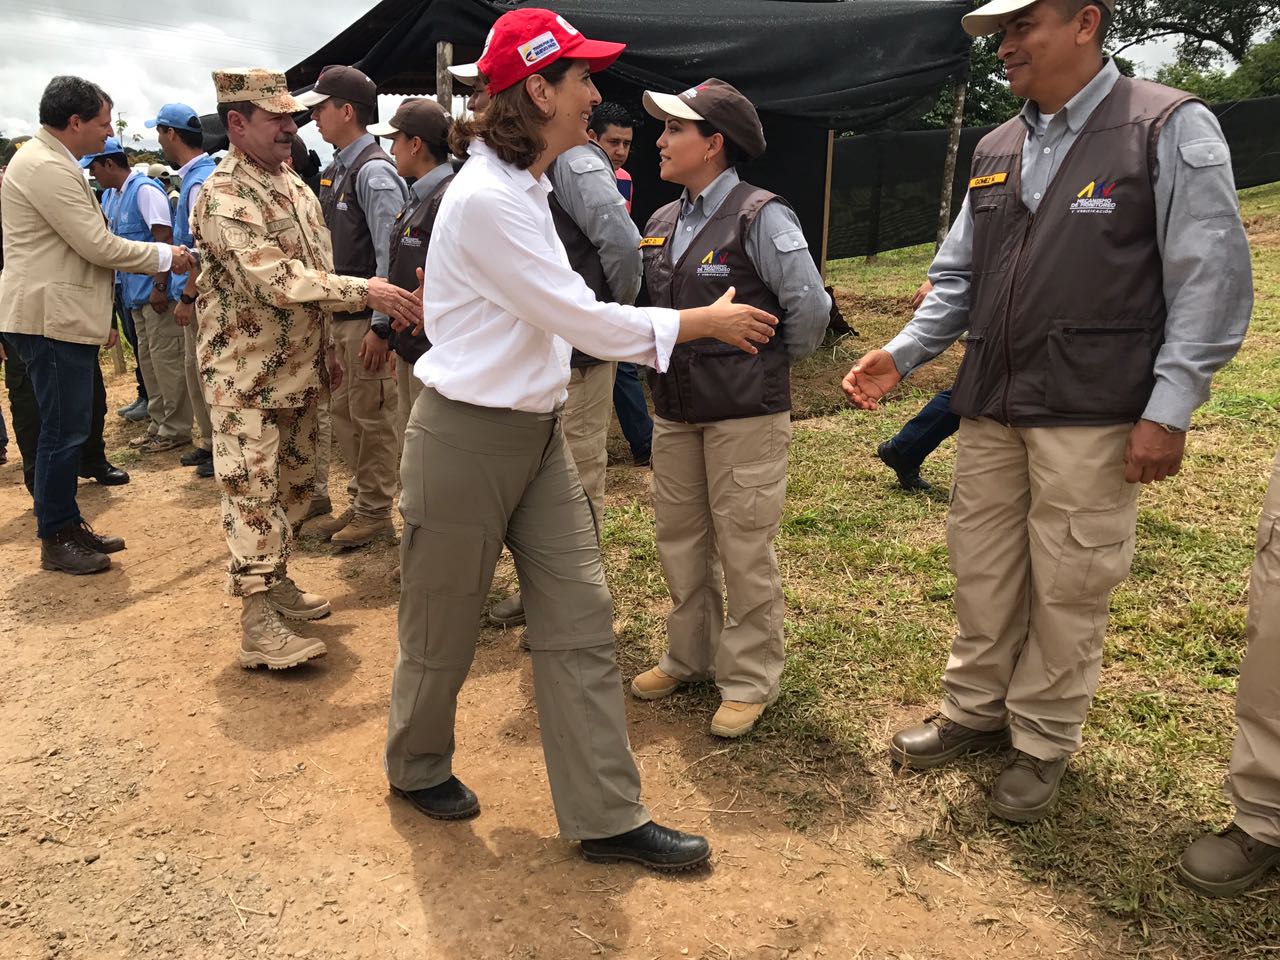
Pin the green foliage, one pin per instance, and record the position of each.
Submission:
(1206, 28)
(1258, 75)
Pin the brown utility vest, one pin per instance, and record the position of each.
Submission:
(410, 237)
(353, 254)
(1067, 308)
(583, 256)
(707, 380)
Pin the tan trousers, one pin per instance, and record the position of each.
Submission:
(474, 478)
(265, 462)
(164, 372)
(195, 391)
(407, 389)
(586, 428)
(363, 411)
(324, 447)
(1041, 529)
(718, 493)
(1253, 784)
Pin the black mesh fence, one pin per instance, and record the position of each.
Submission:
(885, 187)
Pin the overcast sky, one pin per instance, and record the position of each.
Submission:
(148, 54)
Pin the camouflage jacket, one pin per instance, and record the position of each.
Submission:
(266, 287)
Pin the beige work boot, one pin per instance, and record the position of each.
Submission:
(288, 601)
(362, 530)
(737, 719)
(508, 612)
(325, 529)
(653, 685)
(267, 642)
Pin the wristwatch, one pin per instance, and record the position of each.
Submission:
(186, 298)
(1169, 428)
(383, 330)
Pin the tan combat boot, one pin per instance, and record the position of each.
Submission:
(267, 642)
(653, 685)
(737, 719)
(362, 530)
(288, 601)
(325, 529)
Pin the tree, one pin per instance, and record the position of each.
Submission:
(1257, 76)
(1207, 28)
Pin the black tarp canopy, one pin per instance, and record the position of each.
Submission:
(810, 68)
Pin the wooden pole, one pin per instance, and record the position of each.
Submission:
(949, 167)
(826, 203)
(117, 357)
(444, 79)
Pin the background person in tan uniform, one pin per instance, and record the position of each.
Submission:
(722, 420)
(1230, 862)
(266, 289)
(360, 194)
(486, 462)
(1101, 270)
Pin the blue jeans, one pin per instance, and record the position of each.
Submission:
(62, 377)
(924, 432)
(633, 415)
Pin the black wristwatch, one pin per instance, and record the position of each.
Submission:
(383, 330)
(186, 298)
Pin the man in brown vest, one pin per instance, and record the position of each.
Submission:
(1101, 270)
(360, 193)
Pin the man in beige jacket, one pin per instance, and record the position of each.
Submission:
(55, 302)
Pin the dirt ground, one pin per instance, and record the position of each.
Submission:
(158, 801)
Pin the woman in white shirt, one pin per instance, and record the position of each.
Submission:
(485, 461)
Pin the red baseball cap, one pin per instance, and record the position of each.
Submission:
(527, 40)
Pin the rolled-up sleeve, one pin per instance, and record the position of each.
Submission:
(1208, 274)
(546, 293)
(777, 248)
(944, 315)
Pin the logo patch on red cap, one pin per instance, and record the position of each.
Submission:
(539, 48)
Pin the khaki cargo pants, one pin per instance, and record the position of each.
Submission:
(265, 463)
(1253, 784)
(363, 412)
(1041, 529)
(164, 371)
(407, 389)
(195, 389)
(718, 493)
(587, 413)
(475, 478)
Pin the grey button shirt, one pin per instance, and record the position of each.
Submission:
(1208, 274)
(381, 193)
(585, 186)
(777, 249)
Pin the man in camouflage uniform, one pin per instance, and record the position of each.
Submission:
(265, 294)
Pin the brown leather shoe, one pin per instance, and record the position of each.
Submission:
(1227, 863)
(66, 553)
(654, 685)
(363, 530)
(325, 529)
(938, 741)
(95, 541)
(1027, 788)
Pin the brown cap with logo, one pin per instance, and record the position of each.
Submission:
(345, 83)
(718, 103)
(418, 117)
(263, 88)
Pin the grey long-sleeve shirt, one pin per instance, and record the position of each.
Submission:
(778, 250)
(1208, 274)
(381, 193)
(585, 186)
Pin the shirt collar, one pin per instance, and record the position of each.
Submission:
(710, 198)
(521, 179)
(423, 186)
(346, 157)
(1080, 107)
(186, 167)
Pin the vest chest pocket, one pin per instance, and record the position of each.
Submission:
(1107, 371)
(993, 242)
(725, 383)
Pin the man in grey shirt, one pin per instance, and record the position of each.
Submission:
(1102, 283)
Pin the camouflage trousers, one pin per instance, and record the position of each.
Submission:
(265, 461)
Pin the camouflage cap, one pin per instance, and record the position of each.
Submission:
(261, 87)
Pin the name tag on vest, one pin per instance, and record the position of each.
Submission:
(652, 242)
(993, 180)
(326, 183)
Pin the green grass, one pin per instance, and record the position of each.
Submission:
(870, 620)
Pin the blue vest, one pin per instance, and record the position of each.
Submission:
(182, 235)
(125, 219)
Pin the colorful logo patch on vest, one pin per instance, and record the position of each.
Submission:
(1096, 197)
(714, 264)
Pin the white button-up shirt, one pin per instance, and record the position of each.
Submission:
(502, 304)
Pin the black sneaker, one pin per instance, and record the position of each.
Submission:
(653, 846)
(908, 476)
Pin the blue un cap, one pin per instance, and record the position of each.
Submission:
(176, 115)
(111, 146)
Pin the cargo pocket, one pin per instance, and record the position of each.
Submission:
(1210, 187)
(240, 461)
(1096, 553)
(1107, 371)
(725, 382)
(1267, 563)
(758, 493)
(443, 561)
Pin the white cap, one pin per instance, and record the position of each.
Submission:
(986, 20)
(661, 106)
(466, 73)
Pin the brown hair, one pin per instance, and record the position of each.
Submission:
(511, 124)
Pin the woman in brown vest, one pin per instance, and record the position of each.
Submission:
(723, 423)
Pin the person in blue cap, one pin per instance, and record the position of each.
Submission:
(181, 139)
(139, 210)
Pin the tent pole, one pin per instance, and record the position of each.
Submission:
(444, 79)
(953, 149)
(826, 203)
